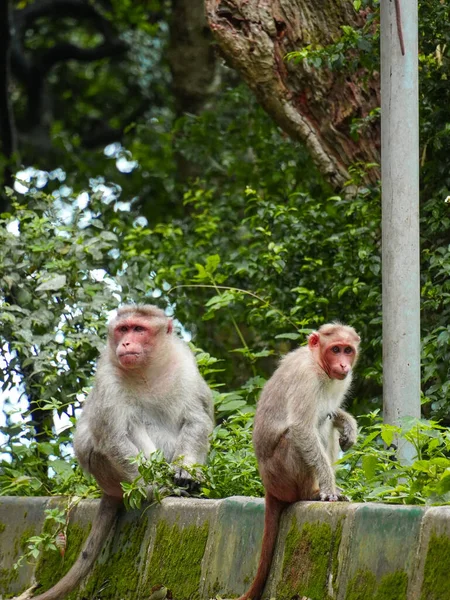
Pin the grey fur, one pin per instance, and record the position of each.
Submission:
(166, 405)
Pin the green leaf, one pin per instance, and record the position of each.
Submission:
(62, 468)
(53, 284)
(212, 262)
(369, 464)
(231, 406)
(388, 433)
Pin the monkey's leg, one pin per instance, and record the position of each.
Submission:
(312, 457)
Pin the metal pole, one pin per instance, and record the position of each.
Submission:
(400, 212)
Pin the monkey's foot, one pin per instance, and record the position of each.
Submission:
(324, 497)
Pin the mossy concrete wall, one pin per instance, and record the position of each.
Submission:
(200, 549)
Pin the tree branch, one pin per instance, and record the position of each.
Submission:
(313, 105)
(32, 70)
(65, 51)
(25, 17)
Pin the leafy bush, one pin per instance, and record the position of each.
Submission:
(231, 469)
(371, 472)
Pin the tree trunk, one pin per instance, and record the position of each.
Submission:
(7, 127)
(192, 59)
(314, 106)
(194, 67)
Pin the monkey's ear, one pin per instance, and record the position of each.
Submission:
(170, 326)
(313, 339)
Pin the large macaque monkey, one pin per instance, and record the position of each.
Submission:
(148, 394)
(298, 427)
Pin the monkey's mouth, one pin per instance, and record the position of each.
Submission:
(340, 375)
(128, 358)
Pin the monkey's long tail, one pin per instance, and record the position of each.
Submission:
(102, 525)
(274, 508)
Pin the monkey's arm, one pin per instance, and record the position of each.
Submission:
(192, 441)
(347, 427)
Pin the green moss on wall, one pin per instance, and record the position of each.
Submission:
(436, 582)
(9, 575)
(308, 557)
(117, 575)
(21, 543)
(52, 566)
(364, 586)
(177, 559)
(393, 587)
(337, 537)
(217, 590)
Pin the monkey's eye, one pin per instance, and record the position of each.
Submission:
(335, 349)
(123, 329)
(348, 350)
(139, 328)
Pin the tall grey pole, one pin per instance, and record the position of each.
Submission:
(400, 211)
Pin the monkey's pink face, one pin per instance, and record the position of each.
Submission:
(134, 340)
(338, 359)
(335, 356)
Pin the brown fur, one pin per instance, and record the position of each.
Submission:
(297, 421)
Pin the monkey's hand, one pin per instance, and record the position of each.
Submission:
(347, 431)
(346, 442)
(185, 480)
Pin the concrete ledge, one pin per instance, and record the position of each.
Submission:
(203, 548)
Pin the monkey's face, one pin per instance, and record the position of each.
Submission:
(135, 340)
(334, 351)
(338, 359)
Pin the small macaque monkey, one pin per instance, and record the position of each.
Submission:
(299, 425)
(148, 394)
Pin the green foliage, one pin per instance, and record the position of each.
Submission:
(231, 469)
(355, 49)
(251, 256)
(370, 471)
(52, 538)
(154, 471)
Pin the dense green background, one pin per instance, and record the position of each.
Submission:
(246, 244)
